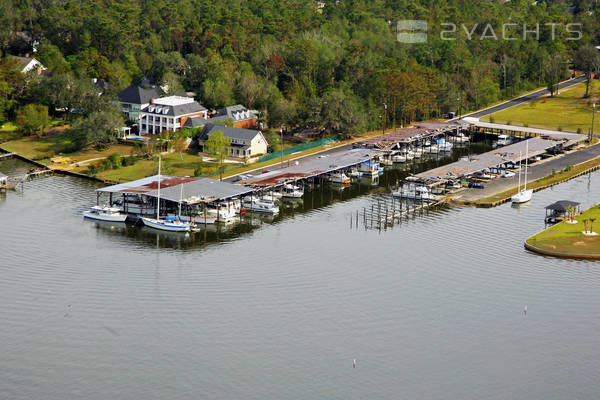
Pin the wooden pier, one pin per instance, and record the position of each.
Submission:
(388, 211)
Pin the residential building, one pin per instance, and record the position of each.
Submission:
(244, 142)
(238, 114)
(168, 113)
(29, 65)
(134, 98)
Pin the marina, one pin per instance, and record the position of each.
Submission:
(418, 288)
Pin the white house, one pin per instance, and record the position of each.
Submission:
(168, 113)
(27, 65)
(244, 142)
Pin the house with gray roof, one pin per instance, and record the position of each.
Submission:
(134, 98)
(240, 116)
(244, 142)
(169, 113)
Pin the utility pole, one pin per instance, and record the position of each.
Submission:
(592, 130)
(384, 116)
(458, 101)
(281, 144)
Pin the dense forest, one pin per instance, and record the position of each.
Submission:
(329, 66)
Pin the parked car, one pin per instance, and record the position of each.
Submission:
(476, 185)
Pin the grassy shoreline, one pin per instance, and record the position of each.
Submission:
(567, 240)
(542, 183)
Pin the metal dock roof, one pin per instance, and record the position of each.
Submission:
(195, 190)
(406, 135)
(569, 137)
(313, 167)
(512, 153)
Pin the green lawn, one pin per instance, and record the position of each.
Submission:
(568, 238)
(8, 131)
(172, 164)
(569, 111)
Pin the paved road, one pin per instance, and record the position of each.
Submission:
(525, 98)
(535, 172)
(511, 103)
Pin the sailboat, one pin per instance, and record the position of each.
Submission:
(170, 224)
(523, 196)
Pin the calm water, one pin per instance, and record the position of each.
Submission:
(431, 309)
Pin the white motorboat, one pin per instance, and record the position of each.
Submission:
(338, 177)
(416, 153)
(292, 191)
(523, 195)
(261, 205)
(504, 140)
(225, 213)
(507, 174)
(461, 138)
(170, 224)
(419, 193)
(354, 173)
(105, 213)
(369, 168)
(444, 146)
(432, 149)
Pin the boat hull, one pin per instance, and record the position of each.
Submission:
(107, 218)
(165, 226)
(522, 197)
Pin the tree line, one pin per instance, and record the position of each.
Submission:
(336, 69)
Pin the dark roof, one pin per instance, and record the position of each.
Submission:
(562, 205)
(230, 132)
(188, 108)
(138, 95)
(237, 113)
(195, 122)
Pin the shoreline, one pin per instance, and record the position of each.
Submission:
(569, 238)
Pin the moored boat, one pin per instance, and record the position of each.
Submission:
(338, 177)
(263, 206)
(105, 213)
(419, 193)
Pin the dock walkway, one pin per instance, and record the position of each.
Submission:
(535, 171)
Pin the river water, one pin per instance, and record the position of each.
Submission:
(430, 309)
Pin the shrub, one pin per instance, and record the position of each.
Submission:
(492, 119)
(115, 160)
(560, 128)
(579, 130)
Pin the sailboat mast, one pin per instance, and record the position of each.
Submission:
(180, 199)
(158, 195)
(520, 162)
(526, 157)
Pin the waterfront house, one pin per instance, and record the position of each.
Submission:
(27, 65)
(240, 116)
(134, 98)
(169, 113)
(244, 142)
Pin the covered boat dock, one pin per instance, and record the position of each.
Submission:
(139, 197)
(312, 168)
(511, 154)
